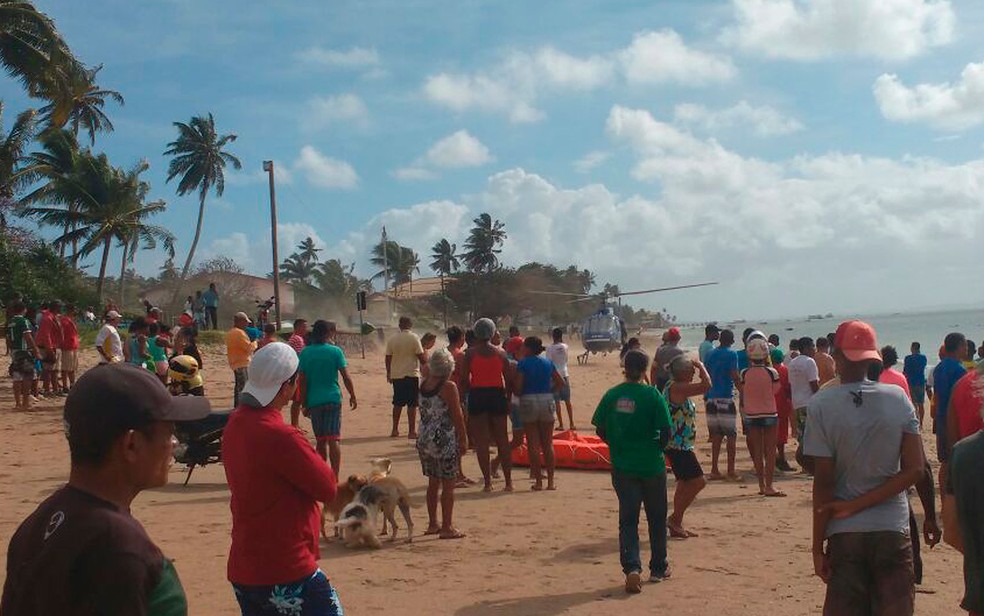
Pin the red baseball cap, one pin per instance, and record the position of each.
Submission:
(673, 333)
(857, 341)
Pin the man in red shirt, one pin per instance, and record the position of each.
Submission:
(276, 480)
(69, 348)
(49, 341)
(297, 342)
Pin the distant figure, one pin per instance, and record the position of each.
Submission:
(860, 505)
(269, 335)
(69, 348)
(514, 345)
(558, 353)
(914, 369)
(968, 362)
(239, 352)
(667, 352)
(804, 381)
(23, 350)
(49, 340)
(794, 344)
(198, 310)
(759, 384)
(711, 334)
(889, 375)
(108, 342)
(825, 363)
(719, 404)
(296, 342)
(635, 422)
(945, 377)
(404, 355)
(784, 406)
(427, 342)
(211, 300)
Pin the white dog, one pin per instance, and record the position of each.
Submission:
(359, 519)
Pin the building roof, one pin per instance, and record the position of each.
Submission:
(417, 289)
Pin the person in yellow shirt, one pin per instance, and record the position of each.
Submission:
(404, 356)
(239, 350)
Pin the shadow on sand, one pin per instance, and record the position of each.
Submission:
(544, 605)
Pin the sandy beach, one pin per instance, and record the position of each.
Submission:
(525, 553)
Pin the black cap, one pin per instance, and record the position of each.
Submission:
(712, 328)
(110, 399)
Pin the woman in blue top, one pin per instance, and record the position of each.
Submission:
(536, 379)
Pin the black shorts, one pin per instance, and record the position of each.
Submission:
(405, 391)
(685, 464)
(491, 400)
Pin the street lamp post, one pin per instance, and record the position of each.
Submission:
(268, 167)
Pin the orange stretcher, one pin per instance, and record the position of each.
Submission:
(572, 450)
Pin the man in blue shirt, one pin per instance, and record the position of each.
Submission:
(945, 376)
(711, 333)
(722, 366)
(211, 300)
(914, 369)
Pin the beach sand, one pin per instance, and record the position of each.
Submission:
(525, 553)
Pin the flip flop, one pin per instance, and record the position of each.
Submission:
(776, 494)
(536, 488)
(677, 533)
(454, 534)
(432, 531)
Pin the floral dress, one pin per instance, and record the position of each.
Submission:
(437, 442)
(683, 423)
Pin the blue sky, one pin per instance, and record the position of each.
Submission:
(811, 155)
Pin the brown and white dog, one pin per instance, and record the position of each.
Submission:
(346, 492)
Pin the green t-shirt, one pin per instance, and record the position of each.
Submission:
(320, 364)
(632, 416)
(19, 325)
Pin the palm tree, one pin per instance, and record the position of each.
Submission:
(81, 105)
(395, 260)
(337, 280)
(445, 262)
(53, 167)
(483, 245)
(32, 50)
(410, 261)
(12, 146)
(296, 268)
(306, 250)
(200, 161)
(140, 235)
(102, 203)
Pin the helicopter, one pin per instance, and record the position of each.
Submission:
(604, 331)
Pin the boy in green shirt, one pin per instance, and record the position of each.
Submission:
(635, 422)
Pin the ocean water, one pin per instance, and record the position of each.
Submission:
(899, 330)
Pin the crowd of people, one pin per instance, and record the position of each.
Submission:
(856, 419)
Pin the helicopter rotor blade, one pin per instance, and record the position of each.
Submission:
(586, 299)
(559, 293)
(683, 286)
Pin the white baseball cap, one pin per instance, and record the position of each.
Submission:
(112, 314)
(242, 315)
(272, 366)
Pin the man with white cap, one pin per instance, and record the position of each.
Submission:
(276, 480)
(239, 350)
(81, 551)
(864, 439)
(108, 342)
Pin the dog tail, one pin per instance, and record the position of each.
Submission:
(405, 499)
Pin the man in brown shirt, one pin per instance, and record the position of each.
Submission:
(825, 362)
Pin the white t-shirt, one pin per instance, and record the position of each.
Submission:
(558, 355)
(802, 371)
(108, 339)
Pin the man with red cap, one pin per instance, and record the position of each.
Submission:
(864, 439)
(665, 354)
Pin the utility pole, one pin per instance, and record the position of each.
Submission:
(268, 167)
(386, 278)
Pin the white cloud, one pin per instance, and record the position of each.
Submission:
(250, 176)
(324, 171)
(816, 29)
(323, 111)
(414, 173)
(764, 121)
(514, 85)
(947, 106)
(459, 149)
(663, 57)
(236, 246)
(591, 160)
(352, 58)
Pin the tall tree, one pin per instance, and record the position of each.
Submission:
(80, 105)
(32, 50)
(395, 259)
(53, 170)
(307, 251)
(444, 263)
(141, 235)
(296, 268)
(484, 245)
(199, 158)
(12, 149)
(337, 280)
(106, 203)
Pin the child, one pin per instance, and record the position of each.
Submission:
(680, 451)
(635, 422)
(759, 383)
(157, 345)
(269, 335)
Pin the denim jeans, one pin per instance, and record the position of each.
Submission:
(633, 493)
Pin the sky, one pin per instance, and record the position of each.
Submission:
(811, 156)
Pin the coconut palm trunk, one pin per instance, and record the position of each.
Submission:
(102, 268)
(121, 299)
(194, 243)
